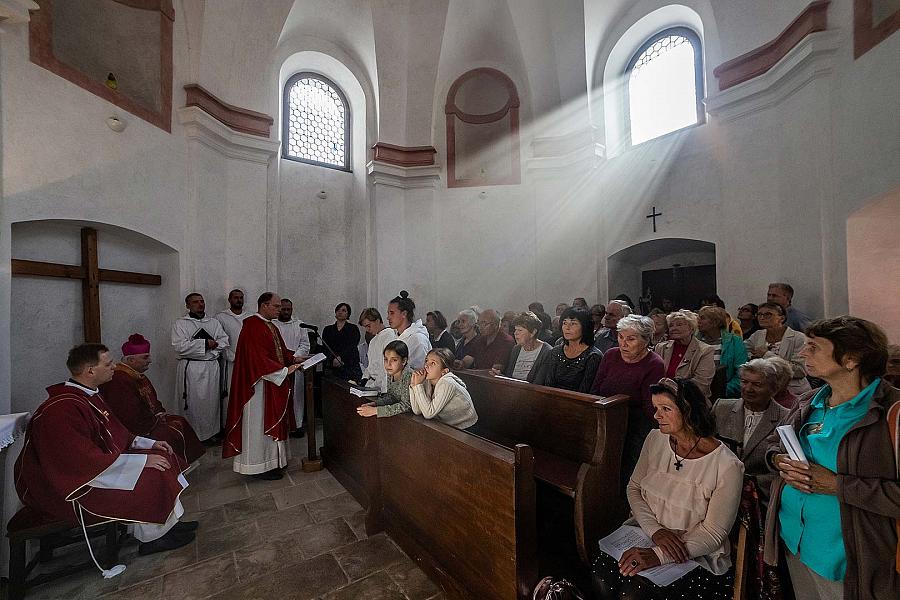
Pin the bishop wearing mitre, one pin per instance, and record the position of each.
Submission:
(132, 398)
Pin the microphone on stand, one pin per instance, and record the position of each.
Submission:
(308, 326)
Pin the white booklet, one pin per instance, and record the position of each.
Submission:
(791, 443)
(364, 392)
(628, 536)
(312, 361)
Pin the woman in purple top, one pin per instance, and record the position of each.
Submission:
(631, 369)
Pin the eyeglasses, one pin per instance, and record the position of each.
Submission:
(767, 314)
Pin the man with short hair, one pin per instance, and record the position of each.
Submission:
(297, 341)
(259, 411)
(782, 294)
(132, 398)
(198, 340)
(579, 303)
(80, 464)
(231, 319)
(608, 336)
(491, 348)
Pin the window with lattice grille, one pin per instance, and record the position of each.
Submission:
(316, 122)
(665, 85)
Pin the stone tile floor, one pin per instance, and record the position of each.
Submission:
(301, 537)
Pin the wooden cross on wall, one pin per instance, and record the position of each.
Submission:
(90, 275)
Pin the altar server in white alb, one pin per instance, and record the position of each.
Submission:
(232, 319)
(199, 340)
(296, 339)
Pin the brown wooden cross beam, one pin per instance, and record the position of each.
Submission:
(90, 275)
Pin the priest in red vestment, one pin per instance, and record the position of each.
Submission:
(260, 415)
(132, 398)
(80, 464)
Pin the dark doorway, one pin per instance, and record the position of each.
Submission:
(685, 286)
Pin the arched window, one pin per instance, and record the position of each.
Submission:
(665, 85)
(315, 122)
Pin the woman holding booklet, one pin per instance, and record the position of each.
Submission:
(684, 495)
(836, 512)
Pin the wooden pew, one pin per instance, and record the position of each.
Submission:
(462, 506)
(577, 442)
(350, 449)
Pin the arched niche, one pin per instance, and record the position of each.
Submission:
(681, 269)
(482, 112)
(46, 312)
(873, 262)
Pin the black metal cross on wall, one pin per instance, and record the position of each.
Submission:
(653, 214)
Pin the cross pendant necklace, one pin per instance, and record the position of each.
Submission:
(679, 462)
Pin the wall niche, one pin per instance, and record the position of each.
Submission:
(482, 130)
(120, 50)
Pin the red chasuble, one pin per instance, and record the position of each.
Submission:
(71, 439)
(260, 351)
(132, 398)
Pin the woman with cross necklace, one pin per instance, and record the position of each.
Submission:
(684, 495)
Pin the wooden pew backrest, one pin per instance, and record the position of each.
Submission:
(568, 424)
(351, 443)
(463, 504)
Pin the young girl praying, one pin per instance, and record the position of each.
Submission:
(396, 399)
(436, 393)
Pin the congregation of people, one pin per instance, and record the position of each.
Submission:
(706, 392)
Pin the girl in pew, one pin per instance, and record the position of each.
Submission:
(396, 399)
(684, 495)
(436, 393)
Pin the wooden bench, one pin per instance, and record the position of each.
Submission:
(51, 533)
(462, 506)
(577, 442)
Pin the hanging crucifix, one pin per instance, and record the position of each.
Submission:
(90, 275)
(653, 214)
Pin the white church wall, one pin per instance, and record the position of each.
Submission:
(873, 262)
(323, 244)
(776, 185)
(61, 161)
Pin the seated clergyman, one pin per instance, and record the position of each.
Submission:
(132, 398)
(80, 464)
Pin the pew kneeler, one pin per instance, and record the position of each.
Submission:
(51, 533)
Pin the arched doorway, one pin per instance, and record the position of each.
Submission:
(873, 262)
(682, 270)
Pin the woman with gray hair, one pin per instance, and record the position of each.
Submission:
(631, 369)
(466, 320)
(745, 423)
(783, 394)
(683, 355)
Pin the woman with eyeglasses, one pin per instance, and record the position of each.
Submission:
(777, 339)
(836, 516)
(684, 495)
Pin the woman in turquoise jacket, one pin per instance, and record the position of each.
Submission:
(730, 352)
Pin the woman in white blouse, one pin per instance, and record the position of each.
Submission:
(684, 495)
(436, 393)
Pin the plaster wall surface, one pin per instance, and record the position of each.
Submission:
(46, 314)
